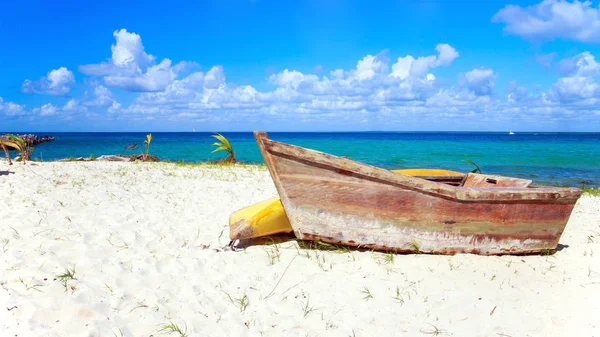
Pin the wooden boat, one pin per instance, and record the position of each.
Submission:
(340, 201)
(268, 217)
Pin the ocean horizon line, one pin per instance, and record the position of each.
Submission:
(313, 132)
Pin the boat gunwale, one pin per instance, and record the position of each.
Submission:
(546, 194)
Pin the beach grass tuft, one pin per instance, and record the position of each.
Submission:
(241, 302)
(367, 294)
(399, 296)
(173, 328)
(593, 191)
(65, 277)
(434, 331)
(273, 252)
(415, 247)
(307, 308)
(30, 285)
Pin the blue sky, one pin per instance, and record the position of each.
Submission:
(299, 65)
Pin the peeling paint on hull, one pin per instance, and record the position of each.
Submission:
(340, 201)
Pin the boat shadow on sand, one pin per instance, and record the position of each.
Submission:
(265, 241)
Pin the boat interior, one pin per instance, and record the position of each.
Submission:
(478, 180)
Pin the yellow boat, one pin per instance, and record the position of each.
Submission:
(268, 217)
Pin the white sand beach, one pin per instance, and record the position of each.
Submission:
(145, 241)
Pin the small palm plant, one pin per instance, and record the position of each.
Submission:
(3, 146)
(476, 169)
(224, 145)
(20, 145)
(147, 146)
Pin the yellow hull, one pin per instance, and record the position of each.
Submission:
(268, 217)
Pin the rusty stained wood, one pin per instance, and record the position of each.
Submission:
(340, 201)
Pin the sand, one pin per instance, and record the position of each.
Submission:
(146, 243)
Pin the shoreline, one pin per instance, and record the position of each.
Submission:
(144, 244)
(587, 189)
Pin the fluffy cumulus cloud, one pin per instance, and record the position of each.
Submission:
(552, 19)
(11, 109)
(481, 81)
(371, 88)
(408, 66)
(516, 93)
(132, 69)
(57, 82)
(579, 82)
(100, 97)
(376, 89)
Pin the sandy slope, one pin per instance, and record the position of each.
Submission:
(145, 242)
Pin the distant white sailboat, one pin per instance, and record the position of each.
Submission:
(511, 132)
(194, 130)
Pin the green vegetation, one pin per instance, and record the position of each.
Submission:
(594, 191)
(66, 277)
(172, 327)
(319, 245)
(476, 169)
(18, 144)
(307, 308)
(367, 294)
(5, 151)
(224, 145)
(241, 302)
(147, 146)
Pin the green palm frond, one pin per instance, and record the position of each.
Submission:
(19, 145)
(476, 169)
(223, 144)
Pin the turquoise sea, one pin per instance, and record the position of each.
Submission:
(549, 158)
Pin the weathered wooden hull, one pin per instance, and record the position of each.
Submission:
(340, 201)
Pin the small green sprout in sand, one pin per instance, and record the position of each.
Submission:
(307, 308)
(389, 258)
(367, 294)
(434, 331)
(65, 277)
(241, 302)
(398, 296)
(171, 328)
(30, 285)
(273, 253)
(5, 244)
(415, 247)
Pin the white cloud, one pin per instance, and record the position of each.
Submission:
(46, 110)
(583, 64)
(214, 77)
(515, 93)
(12, 109)
(552, 19)
(481, 81)
(57, 82)
(291, 78)
(370, 66)
(367, 89)
(374, 92)
(115, 106)
(569, 89)
(579, 84)
(71, 105)
(132, 69)
(408, 66)
(101, 98)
